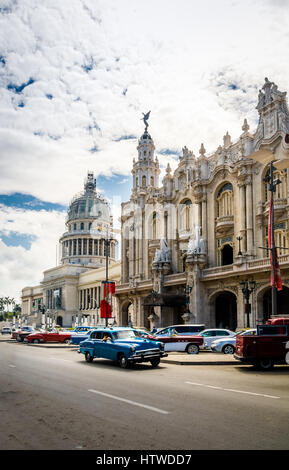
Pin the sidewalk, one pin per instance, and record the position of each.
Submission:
(180, 358)
(204, 358)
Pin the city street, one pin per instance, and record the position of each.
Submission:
(52, 399)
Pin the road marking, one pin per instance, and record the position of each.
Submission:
(151, 408)
(11, 365)
(232, 390)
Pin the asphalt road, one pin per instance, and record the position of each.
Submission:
(53, 399)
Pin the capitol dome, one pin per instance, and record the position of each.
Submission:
(88, 222)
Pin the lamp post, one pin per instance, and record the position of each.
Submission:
(42, 309)
(239, 238)
(247, 289)
(188, 290)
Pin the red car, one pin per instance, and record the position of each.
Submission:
(48, 337)
(182, 343)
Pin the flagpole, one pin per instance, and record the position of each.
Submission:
(272, 189)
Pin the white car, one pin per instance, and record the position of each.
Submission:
(227, 345)
(6, 330)
(210, 335)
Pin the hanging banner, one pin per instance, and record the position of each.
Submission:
(109, 288)
(275, 268)
(105, 309)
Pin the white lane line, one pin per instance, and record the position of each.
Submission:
(151, 408)
(232, 390)
(11, 365)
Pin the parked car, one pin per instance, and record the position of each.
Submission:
(180, 343)
(143, 333)
(23, 329)
(6, 330)
(48, 337)
(188, 329)
(227, 345)
(211, 334)
(21, 334)
(81, 335)
(121, 345)
(268, 347)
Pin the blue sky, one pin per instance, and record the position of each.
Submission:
(76, 77)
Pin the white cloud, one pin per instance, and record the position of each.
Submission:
(97, 66)
(19, 266)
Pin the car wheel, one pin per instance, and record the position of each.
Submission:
(155, 362)
(228, 349)
(18, 338)
(123, 362)
(265, 364)
(67, 341)
(88, 357)
(192, 349)
(36, 341)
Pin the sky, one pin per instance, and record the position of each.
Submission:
(75, 78)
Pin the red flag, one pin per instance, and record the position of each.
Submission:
(105, 309)
(109, 288)
(275, 268)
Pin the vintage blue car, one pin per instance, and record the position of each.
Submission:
(121, 345)
(81, 333)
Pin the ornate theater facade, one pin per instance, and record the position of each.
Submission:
(190, 245)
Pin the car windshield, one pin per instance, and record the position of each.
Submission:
(126, 334)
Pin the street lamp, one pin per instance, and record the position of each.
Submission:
(239, 238)
(188, 290)
(42, 309)
(247, 289)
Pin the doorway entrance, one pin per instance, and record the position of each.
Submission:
(282, 303)
(226, 311)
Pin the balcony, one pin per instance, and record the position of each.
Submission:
(224, 223)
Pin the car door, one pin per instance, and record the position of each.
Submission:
(96, 337)
(106, 346)
(209, 336)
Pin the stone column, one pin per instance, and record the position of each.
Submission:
(243, 233)
(249, 217)
(204, 218)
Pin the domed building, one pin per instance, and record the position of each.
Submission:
(88, 222)
(70, 293)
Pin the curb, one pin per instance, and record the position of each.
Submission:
(201, 363)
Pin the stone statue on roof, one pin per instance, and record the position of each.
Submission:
(145, 120)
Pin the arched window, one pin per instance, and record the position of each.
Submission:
(82, 226)
(225, 251)
(186, 215)
(152, 181)
(144, 181)
(136, 182)
(225, 201)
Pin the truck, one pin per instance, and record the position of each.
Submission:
(268, 347)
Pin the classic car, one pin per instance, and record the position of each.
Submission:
(121, 345)
(20, 334)
(177, 342)
(188, 329)
(23, 329)
(267, 347)
(48, 337)
(227, 345)
(81, 333)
